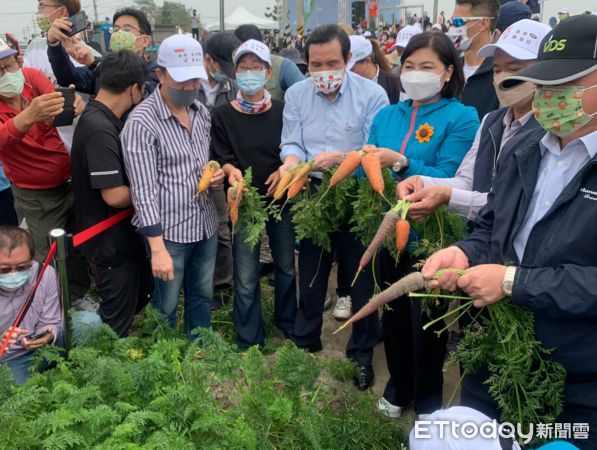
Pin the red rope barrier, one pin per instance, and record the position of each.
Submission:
(78, 239)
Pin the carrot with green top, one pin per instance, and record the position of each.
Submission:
(208, 173)
(372, 166)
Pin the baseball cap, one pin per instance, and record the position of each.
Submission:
(511, 13)
(183, 57)
(566, 53)
(405, 34)
(436, 26)
(360, 48)
(258, 48)
(5, 50)
(520, 40)
(294, 55)
(220, 46)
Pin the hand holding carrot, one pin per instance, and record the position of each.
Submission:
(272, 183)
(217, 179)
(484, 283)
(426, 201)
(409, 186)
(448, 258)
(234, 174)
(327, 160)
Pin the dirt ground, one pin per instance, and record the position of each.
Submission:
(334, 347)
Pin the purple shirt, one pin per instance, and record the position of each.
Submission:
(45, 311)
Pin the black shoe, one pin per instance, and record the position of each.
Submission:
(266, 269)
(311, 348)
(365, 378)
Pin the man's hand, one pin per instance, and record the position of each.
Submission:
(484, 283)
(448, 258)
(409, 186)
(14, 336)
(58, 30)
(81, 53)
(425, 202)
(272, 183)
(327, 160)
(44, 107)
(162, 265)
(217, 179)
(34, 345)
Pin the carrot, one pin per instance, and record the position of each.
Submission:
(283, 185)
(296, 186)
(387, 224)
(412, 282)
(372, 167)
(351, 162)
(402, 232)
(208, 173)
(235, 194)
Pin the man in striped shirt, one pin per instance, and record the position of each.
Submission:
(166, 147)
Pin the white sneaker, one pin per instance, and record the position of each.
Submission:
(343, 309)
(328, 302)
(385, 407)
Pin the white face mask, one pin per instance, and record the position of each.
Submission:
(421, 85)
(328, 81)
(12, 83)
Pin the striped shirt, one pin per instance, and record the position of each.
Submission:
(164, 162)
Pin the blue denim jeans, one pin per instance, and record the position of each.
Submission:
(193, 271)
(247, 293)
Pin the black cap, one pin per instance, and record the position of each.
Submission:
(294, 55)
(511, 13)
(221, 46)
(568, 52)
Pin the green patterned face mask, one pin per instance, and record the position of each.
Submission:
(559, 109)
(123, 40)
(43, 22)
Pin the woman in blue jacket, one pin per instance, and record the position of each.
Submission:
(427, 135)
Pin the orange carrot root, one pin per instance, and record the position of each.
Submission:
(351, 162)
(372, 167)
(402, 232)
(208, 173)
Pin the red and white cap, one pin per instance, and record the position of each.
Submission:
(521, 40)
(259, 49)
(183, 57)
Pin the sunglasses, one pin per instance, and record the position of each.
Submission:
(20, 268)
(461, 21)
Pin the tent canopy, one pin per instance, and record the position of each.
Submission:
(241, 16)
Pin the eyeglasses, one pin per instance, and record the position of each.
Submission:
(128, 28)
(41, 6)
(19, 268)
(461, 21)
(12, 68)
(243, 69)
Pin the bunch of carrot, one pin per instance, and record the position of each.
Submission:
(293, 181)
(248, 213)
(395, 219)
(371, 164)
(234, 197)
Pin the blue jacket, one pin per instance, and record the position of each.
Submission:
(451, 126)
(557, 278)
(82, 77)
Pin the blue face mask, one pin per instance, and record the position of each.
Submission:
(251, 82)
(14, 280)
(220, 76)
(182, 97)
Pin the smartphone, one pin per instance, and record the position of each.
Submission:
(32, 337)
(79, 23)
(67, 116)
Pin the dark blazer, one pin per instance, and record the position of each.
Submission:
(479, 91)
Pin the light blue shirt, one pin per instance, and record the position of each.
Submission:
(556, 170)
(4, 184)
(314, 124)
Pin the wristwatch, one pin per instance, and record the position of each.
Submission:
(95, 64)
(508, 280)
(401, 165)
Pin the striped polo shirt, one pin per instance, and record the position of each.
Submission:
(164, 161)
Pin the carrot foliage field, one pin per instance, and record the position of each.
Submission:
(159, 390)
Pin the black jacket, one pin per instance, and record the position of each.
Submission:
(391, 84)
(479, 91)
(557, 277)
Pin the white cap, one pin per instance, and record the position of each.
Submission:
(405, 34)
(436, 26)
(259, 49)
(367, 34)
(438, 438)
(5, 50)
(183, 57)
(360, 48)
(564, 11)
(521, 40)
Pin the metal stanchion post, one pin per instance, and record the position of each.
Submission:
(59, 236)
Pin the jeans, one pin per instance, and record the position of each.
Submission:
(247, 293)
(194, 264)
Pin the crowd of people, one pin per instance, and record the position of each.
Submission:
(491, 113)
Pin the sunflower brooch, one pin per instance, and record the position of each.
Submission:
(424, 133)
